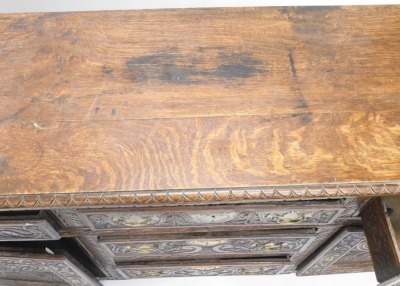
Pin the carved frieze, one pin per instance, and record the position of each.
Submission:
(207, 217)
(203, 196)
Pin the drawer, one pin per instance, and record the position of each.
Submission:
(207, 268)
(171, 241)
(221, 218)
(208, 245)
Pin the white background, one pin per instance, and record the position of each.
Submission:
(360, 279)
(9, 6)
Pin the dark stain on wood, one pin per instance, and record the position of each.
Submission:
(45, 50)
(61, 99)
(172, 68)
(235, 71)
(74, 40)
(54, 100)
(64, 33)
(59, 64)
(239, 65)
(20, 24)
(305, 118)
(292, 64)
(5, 168)
(302, 103)
(310, 20)
(67, 34)
(193, 120)
(107, 71)
(297, 13)
(315, 9)
(14, 115)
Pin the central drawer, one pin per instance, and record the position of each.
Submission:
(218, 218)
(204, 268)
(248, 244)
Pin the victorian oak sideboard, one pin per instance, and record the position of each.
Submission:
(194, 142)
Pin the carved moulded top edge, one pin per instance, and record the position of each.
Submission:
(198, 196)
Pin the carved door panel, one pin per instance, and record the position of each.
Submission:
(27, 226)
(345, 252)
(43, 269)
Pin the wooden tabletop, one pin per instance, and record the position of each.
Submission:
(199, 99)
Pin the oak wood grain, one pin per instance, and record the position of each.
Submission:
(198, 98)
(200, 153)
(198, 62)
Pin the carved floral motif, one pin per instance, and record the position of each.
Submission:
(61, 269)
(32, 230)
(202, 271)
(69, 218)
(347, 248)
(206, 218)
(217, 246)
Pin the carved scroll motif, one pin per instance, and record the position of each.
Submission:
(202, 271)
(27, 230)
(61, 268)
(211, 246)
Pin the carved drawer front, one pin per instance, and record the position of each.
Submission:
(218, 268)
(42, 269)
(218, 217)
(27, 227)
(344, 253)
(243, 244)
